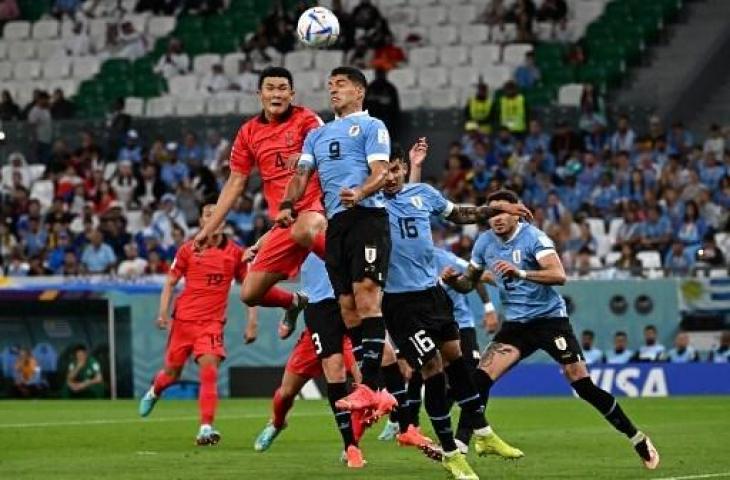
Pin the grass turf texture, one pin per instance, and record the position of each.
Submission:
(562, 439)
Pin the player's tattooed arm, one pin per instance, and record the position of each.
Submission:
(462, 214)
(462, 283)
(294, 191)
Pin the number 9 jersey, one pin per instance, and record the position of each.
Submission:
(268, 146)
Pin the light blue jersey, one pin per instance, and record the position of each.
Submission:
(412, 266)
(341, 151)
(521, 300)
(686, 355)
(315, 281)
(619, 358)
(652, 353)
(593, 356)
(462, 312)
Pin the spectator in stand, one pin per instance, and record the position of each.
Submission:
(591, 354)
(523, 14)
(624, 137)
(711, 171)
(9, 110)
(130, 44)
(656, 231)
(361, 55)
(216, 150)
(8, 11)
(564, 142)
(682, 352)
(98, 257)
(513, 109)
(37, 267)
(65, 7)
(17, 165)
(537, 138)
(247, 79)
(629, 233)
(681, 140)
(576, 55)
(693, 227)
(57, 214)
(71, 266)
(715, 141)
(721, 354)
(679, 261)
(132, 150)
(160, 7)
(173, 172)
(133, 265)
(365, 15)
(652, 350)
(656, 128)
(388, 56)
(596, 140)
(552, 11)
(61, 108)
(124, 184)
(620, 353)
(167, 216)
(8, 240)
(84, 378)
(56, 256)
(527, 75)
(28, 381)
(190, 151)
(150, 187)
(381, 100)
(604, 197)
(710, 254)
(78, 45)
(156, 265)
(479, 109)
(494, 13)
(714, 215)
(258, 50)
(118, 124)
(628, 261)
(36, 237)
(104, 197)
(39, 118)
(591, 109)
(17, 266)
(283, 39)
(215, 81)
(174, 62)
(260, 227)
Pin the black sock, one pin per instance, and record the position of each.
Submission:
(605, 403)
(464, 429)
(438, 411)
(355, 334)
(414, 398)
(395, 384)
(465, 394)
(373, 340)
(336, 391)
(484, 383)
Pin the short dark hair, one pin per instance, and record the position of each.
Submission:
(620, 333)
(353, 74)
(397, 154)
(279, 72)
(506, 195)
(650, 327)
(590, 333)
(79, 347)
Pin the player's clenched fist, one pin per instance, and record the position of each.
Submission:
(350, 197)
(449, 274)
(506, 269)
(163, 322)
(284, 218)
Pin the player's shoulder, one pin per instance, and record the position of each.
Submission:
(531, 232)
(485, 239)
(186, 248)
(304, 114)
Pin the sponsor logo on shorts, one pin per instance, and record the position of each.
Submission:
(561, 343)
(371, 253)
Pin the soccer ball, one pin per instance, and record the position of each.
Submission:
(318, 27)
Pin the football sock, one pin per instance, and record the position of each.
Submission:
(355, 334)
(483, 383)
(438, 411)
(162, 381)
(318, 245)
(277, 297)
(373, 340)
(208, 395)
(465, 395)
(281, 405)
(336, 391)
(605, 403)
(414, 398)
(395, 384)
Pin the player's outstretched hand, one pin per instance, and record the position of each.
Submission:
(163, 322)
(449, 275)
(518, 209)
(506, 269)
(417, 153)
(200, 241)
(284, 218)
(250, 253)
(350, 197)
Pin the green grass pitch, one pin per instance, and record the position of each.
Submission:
(562, 439)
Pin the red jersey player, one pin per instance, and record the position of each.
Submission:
(198, 319)
(267, 141)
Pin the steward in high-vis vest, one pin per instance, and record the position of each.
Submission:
(513, 109)
(479, 109)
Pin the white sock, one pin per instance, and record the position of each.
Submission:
(638, 438)
(483, 432)
(451, 453)
(152, 392)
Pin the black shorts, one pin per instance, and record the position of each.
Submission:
(419, 323)
(358, 246)
(469, 345)
(326, 327)
(553, 335)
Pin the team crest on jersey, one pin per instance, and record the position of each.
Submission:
(561, 343)
(289, 138)
(354, 130)
(417, 202)
(516, 256)
(371, 253)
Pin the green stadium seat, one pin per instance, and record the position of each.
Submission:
(219, 25)
(116, 67)
(189, 26)
(148, 87)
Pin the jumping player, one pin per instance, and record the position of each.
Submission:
(267, 142)
(521, 260)
(198, 319)
(419, 315)
(351, 155)
(323, 348)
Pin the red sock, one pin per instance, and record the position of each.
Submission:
(281, 408)
(277, 297)
(208, 395)
(318, 245)
(162, 381)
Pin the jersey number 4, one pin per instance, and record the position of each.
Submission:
(407, 226)
(279, 162)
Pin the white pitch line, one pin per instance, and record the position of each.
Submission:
(144, 420)
(693, 477)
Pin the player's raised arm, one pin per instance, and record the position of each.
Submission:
(462, 214)
(417, 155)
(298, 183)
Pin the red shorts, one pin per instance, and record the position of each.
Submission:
(303, 360)
(280, 254)
(196, 338)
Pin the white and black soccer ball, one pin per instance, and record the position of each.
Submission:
(318, 27)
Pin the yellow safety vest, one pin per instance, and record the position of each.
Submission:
(512, 113)
(479, 111)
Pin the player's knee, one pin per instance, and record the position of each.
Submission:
(432, 367)
(334, 368)
(250, 297)
(575, 371)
